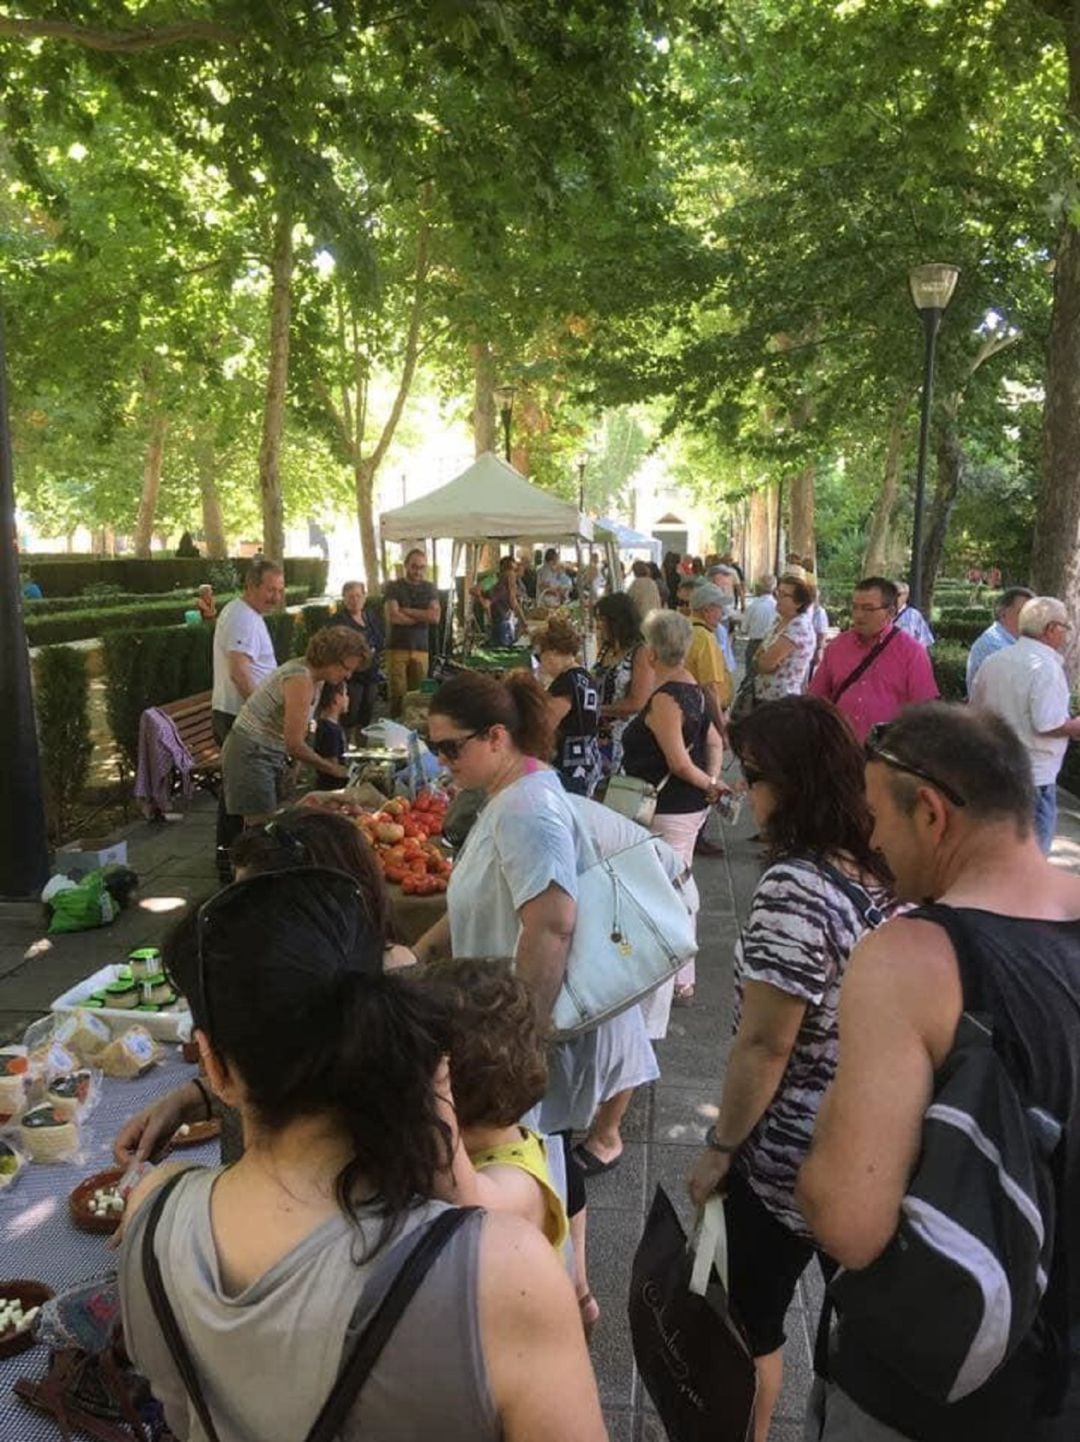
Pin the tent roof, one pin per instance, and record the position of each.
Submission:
(626, 537)
(488, 501)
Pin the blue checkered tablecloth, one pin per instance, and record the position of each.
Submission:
(39, 1241)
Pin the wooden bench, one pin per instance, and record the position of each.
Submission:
(194, 721)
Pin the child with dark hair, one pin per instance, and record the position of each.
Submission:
(330, 738)
(498, 1072)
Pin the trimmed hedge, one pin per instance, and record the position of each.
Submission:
(950, 669)
(69, 577)
(81, 625)
(151, 667)
(62, 704)
(963, 633)
(61, 605)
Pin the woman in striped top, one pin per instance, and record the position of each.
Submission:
(823, 887)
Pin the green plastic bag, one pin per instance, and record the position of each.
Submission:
(82, 907)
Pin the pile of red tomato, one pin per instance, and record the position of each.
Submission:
(400, 836)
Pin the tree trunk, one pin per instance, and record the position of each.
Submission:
(484, 419)
(875, 557)
(951, 468)
(213, 521)
(801, 539)
(760, 539)
(364, 479)
(281, 269)
(151, 483)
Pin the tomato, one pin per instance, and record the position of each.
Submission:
(418, 866)
(435, 826)
(422, 802)
(396, 874)
(438, 885)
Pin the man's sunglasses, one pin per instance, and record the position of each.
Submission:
(451, 748)
(877, 750)
(339, 885)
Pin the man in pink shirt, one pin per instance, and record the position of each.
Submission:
(874, 669)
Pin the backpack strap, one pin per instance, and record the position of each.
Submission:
(871, 915)
(369, 1345)
(863, 666)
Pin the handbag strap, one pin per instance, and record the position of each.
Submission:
(872, 916)
(369, 1345)
(710, 1246)
(863, 666)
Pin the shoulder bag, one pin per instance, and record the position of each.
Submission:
(632, 933)
(355, 1369)
(634, 797)
(862, 668)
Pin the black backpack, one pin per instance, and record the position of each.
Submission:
(964, 1280)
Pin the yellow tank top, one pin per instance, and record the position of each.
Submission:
(530, 1155)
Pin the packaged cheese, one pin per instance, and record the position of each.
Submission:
(130, 1054)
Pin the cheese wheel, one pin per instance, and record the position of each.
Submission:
(46, 1136)
(14, 1076)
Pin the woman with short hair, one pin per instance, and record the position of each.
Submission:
(272, 726)
(815, 899)
(782, 661)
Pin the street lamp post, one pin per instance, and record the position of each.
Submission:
(932, 289)
(582, 462)
(24, 847)
(504, 400)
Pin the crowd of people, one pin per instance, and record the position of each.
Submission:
(370, 1093)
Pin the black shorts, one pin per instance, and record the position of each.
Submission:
(765, 1261)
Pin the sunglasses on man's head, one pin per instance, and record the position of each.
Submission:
(878, 750)
(338, 885)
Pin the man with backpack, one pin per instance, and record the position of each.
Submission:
(957, 1226)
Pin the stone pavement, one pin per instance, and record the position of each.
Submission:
(664, 1125)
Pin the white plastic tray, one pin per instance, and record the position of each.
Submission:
(162, 1025)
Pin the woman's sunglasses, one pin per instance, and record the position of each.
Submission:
(876, 750)
(451, 748)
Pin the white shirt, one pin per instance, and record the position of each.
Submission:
(759, 616)
(240, 628)
(1027, 686)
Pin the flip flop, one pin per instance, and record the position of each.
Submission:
(591, 1164)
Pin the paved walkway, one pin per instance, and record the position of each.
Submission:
(666, 1122)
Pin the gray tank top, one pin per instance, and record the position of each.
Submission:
(262, 716)
(268, 1357)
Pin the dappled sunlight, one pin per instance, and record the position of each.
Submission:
(163, 903)
(38, 948)
(704, 1113)
(30, 1219)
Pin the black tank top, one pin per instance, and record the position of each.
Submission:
(642, 756)
(1027, 978)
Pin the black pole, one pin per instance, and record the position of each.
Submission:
(931, 318)
(24, 846)
(506, 413)
(779, 525)
(581, 487)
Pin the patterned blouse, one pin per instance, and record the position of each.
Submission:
(801, 930)
(789, 678)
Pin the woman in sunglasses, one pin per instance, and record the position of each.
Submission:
(823, 888)
(273, 1268)
(514, 893)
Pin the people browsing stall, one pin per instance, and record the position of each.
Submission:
(504, 604)
(272, 726)
(822, 889)
(782, 663)
(623, 675)
(271, 1269)
(553, 585)
(329, 739)
(513, 892)
(412, 608)
(574, 707)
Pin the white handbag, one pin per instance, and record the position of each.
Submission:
(633, 932)
(634, 798)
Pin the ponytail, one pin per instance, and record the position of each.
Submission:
(477, 702)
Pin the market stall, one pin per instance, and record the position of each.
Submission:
(489, 504)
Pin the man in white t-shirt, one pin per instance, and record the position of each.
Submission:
(760, 614)
(243, 656)
(1027, 686)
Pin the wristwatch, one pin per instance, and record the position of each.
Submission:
(725, 1148)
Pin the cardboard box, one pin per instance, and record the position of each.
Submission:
(88, 854)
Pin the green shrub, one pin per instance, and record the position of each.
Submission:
(62, 701)
(963, 633)
(950, 669)
(82, 624)
(150, 668)
(1069, 776)
(282, 627)
(71, 575)
(312, 618)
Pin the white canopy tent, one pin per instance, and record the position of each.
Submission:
(488, 502)
(626, 538)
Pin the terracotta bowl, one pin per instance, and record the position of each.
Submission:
(79, 1203)
(30, 1294)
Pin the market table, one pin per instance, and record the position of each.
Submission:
(412, 915)
(38, 1239)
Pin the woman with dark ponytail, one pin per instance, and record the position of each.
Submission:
(273, 1266)
(514, 893)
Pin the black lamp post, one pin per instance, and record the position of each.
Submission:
(582, 462)
(932, 288)
(24, 847)
(504, 400)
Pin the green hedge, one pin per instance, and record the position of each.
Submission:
(62, 704)
(950, 668)
(151, 667)
(61, 605)
(69, 577)
(963, 633)
(81, 625)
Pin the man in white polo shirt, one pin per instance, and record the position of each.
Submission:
(243, 656)
(1027, 686)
